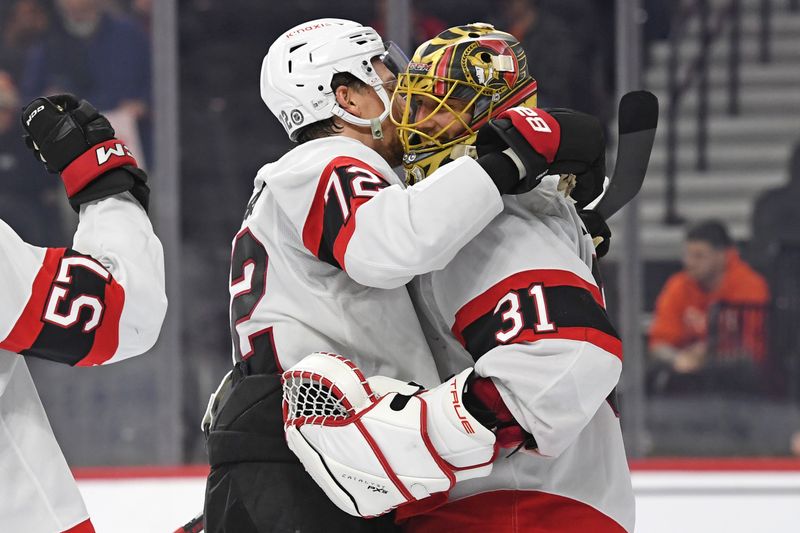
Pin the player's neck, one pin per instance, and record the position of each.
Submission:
(383, 146)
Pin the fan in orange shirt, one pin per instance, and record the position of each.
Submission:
(713, 275)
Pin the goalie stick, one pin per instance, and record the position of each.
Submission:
(195, 525)
(637, 119)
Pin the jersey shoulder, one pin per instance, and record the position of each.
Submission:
(307, 162)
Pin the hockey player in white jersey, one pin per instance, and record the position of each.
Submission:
(329, 240)
(518, 320)
(98, 302)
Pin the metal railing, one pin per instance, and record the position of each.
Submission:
(712, 22)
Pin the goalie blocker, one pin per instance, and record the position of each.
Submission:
(376, 444)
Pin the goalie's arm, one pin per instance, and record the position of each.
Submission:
(552, 389)
(553, 364)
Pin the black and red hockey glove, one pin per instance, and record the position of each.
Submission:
(598, 228)
(72, 139)
(558, 141)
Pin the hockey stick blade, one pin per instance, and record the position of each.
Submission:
(638, 118)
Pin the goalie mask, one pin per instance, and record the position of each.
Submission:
(453, 85)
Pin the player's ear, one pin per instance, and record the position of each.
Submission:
(348, 99)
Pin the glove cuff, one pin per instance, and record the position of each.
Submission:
(484, 402)
(501, 169)
(456, 434)
(95, 162)
(115, 181)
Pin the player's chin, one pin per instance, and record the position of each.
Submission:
(392, 149)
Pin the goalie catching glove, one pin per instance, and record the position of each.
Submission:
(376, 444)
(72, 139)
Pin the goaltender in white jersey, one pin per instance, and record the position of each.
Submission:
(521, 305)
(100, 301)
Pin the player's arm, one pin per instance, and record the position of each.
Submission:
(667, 329)
(547, 356)
(103, 299)
(382, 235)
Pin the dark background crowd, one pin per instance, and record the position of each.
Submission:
(710, 335)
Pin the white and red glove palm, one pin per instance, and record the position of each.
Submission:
(373, 445)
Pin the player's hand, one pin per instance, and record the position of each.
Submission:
(60, 128)
(72, 139)
(559, 141)
(598, 228)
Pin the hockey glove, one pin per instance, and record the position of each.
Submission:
(72, 139)
(556, 142)
(372, 453)
(598, 229)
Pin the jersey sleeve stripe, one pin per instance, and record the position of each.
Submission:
(346, 233)
(572, 307)
(312, 229)
(330, 223)
(57, 289)
(106, 338)
(486, 302)
(29, 325)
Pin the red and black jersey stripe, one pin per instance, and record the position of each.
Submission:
(574, 308)
(82, 335)
(346, 183)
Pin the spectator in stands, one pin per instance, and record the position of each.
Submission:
(774, 249)
(142, 13)
(776, 216)
(27, 197)
(693, 303)
(24, 23)
(103, 57)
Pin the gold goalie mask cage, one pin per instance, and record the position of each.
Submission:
(453, 85)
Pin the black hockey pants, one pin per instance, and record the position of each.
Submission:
(256, 484)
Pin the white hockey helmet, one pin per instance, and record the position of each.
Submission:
(297, 71)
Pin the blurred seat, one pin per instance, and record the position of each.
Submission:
(737, 357)
(784, 280)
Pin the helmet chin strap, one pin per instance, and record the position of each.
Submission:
(374, 124)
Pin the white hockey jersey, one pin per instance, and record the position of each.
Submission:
(329, 240)
(100, 301)
(521, 304)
